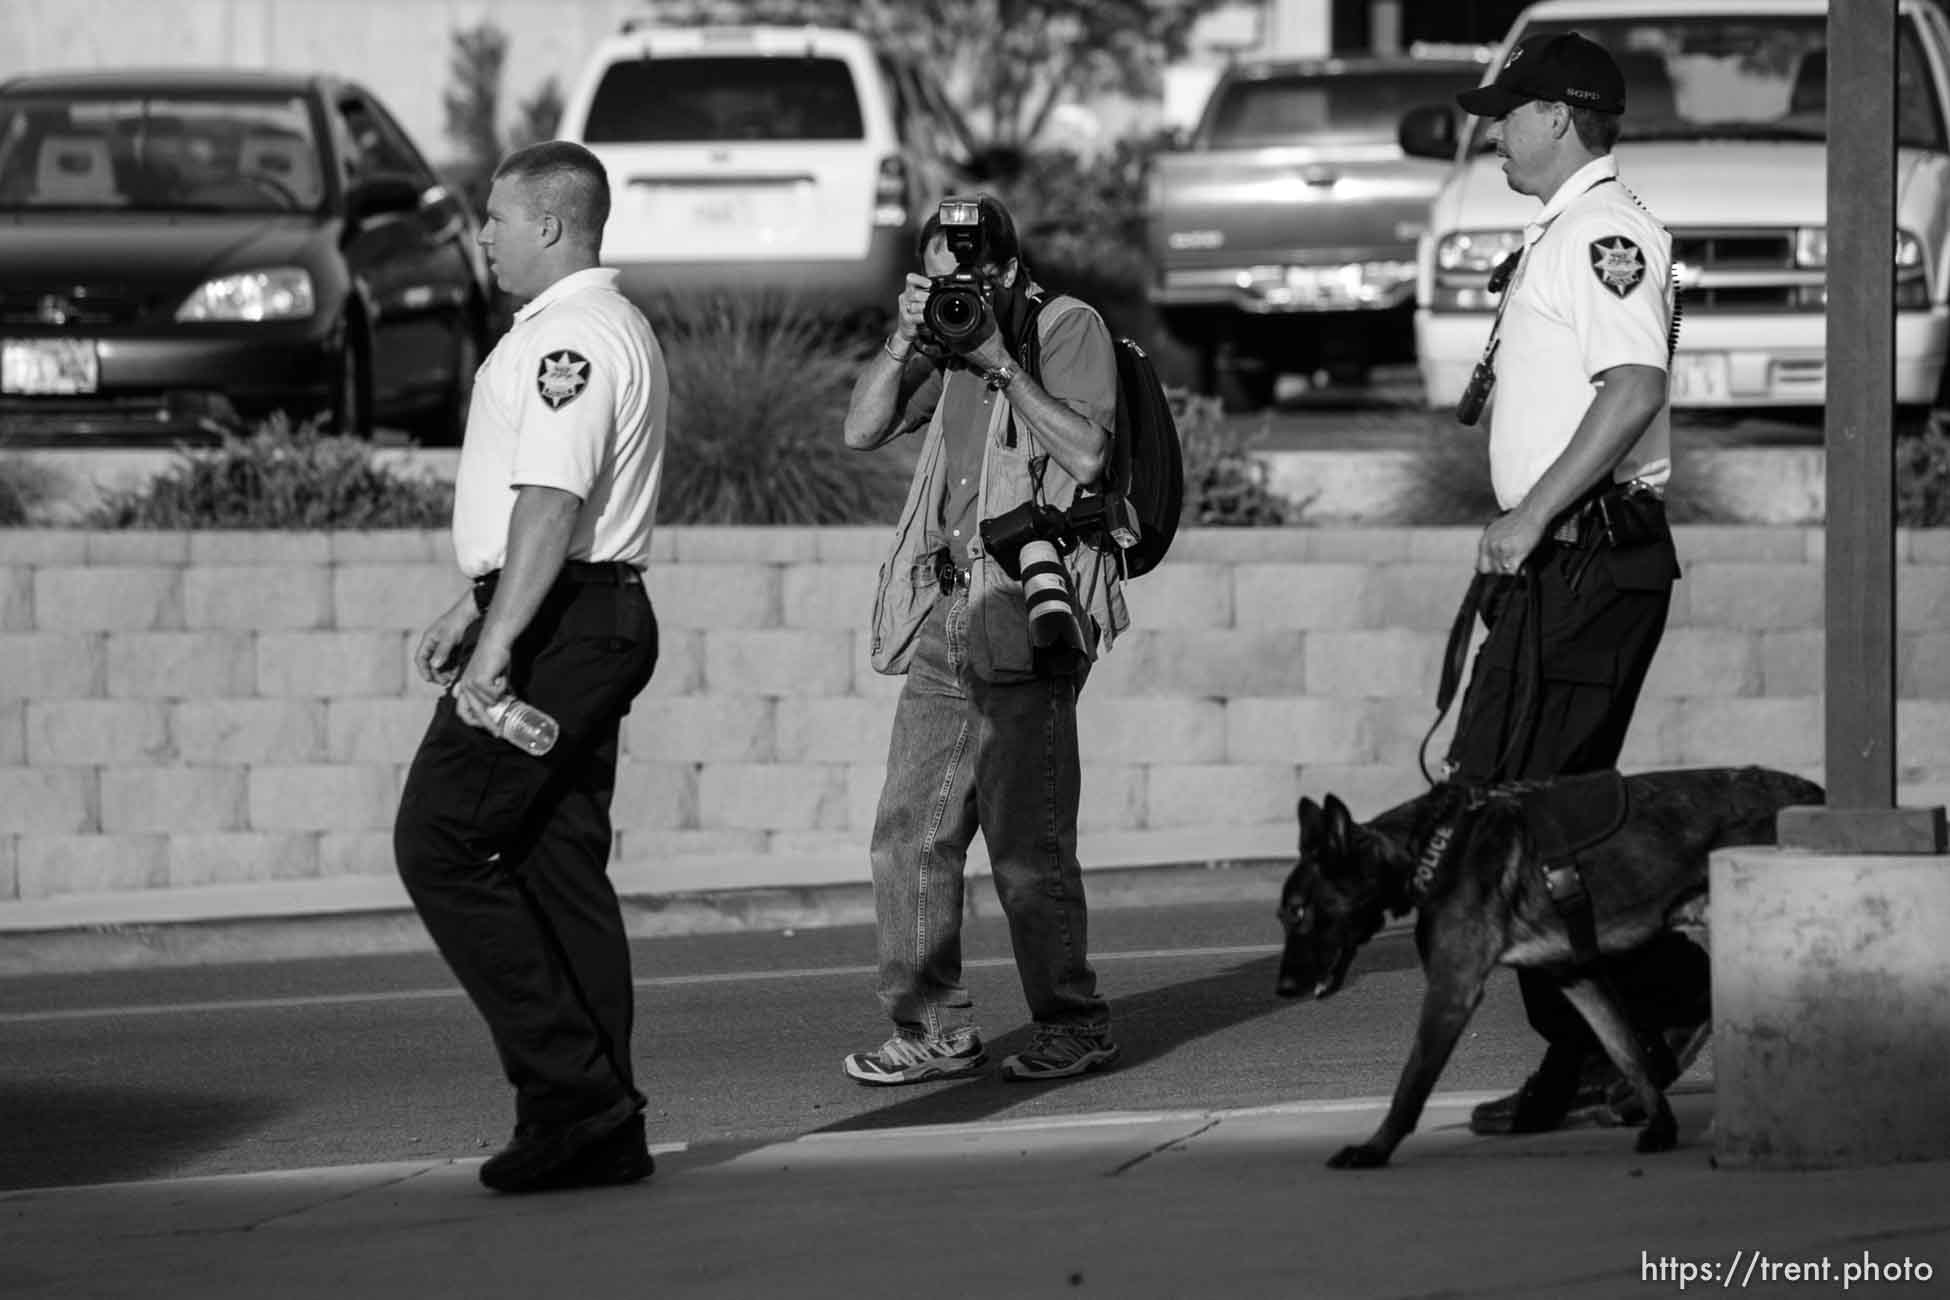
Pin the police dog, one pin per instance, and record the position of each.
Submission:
(1467, 862)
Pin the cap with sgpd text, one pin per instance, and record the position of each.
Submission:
(1566, 69)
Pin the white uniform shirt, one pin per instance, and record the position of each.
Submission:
(574, 397)
(1594, 290)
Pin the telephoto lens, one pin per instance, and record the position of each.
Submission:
(1053, 617)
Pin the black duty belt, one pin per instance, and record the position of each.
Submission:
(574, 573)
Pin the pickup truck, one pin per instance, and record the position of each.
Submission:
(1282, 232)
(1725, 139)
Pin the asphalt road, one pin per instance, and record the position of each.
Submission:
(165, 1073)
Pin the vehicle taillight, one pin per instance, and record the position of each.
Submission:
(890, 193)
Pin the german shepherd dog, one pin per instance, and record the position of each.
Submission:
(1467, 862)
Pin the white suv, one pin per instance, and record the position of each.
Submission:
(791, 158)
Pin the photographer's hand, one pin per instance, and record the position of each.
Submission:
(991, 354)
(873, 413)
(913, 301)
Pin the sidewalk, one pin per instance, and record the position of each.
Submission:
(1171, 1204)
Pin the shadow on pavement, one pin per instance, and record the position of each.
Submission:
(1149, 1024)
(59, 1133)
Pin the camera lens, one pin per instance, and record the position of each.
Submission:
(1046, 587)
(954, 313)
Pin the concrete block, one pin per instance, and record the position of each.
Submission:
(1114, 797)
(1777, 732)
(1175, 595)
(1200, 794)
(1361, 545)
(1752, 596)
(701, 728)
(772, 796)
(1830, 980)
(181, 665)
(249, 731)
(323, 796)
(382, 729)
(1362, 664)
(1922, 546)
(1741, 543)
(1394, 729)
(1236, 661)
(712, 544)
(1302, 595)
(394, 546)
(1307, 729)
(1211, 545)
(1716, 661)
(51, 865)
(866, 544)
(829, 596)
(144, 599)
(1923, 731)
(863, 783)
(356, 853)
(47, 800)
(258, 597)
(13, 733)
(1453, 548)
(1151, 729)
(872, 685)
(97, 731)
(1923, 598)
(16, 599)
(1793, 661)
(715, 596)
(173, 799)
(778, 662)
(680, 663)
(331, 663)
(217, 548)
(137, 546)
(654, 796)
(654, 844)
(242, 857)
(29, 547)
(792, 847)
(1368, 790)
(50, 665)
(1421, 597)
(843, 729)
(403, 596)
(1922, 667)
(9, 868)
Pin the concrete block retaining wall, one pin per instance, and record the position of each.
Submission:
(184, 710)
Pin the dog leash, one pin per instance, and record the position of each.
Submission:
(1455, 655)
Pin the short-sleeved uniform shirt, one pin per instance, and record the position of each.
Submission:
(1593, 291)
(1076, 365)
(574, 397)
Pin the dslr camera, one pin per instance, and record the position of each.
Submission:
(1029, 542)
(960, 311)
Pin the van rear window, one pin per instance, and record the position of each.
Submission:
(723, 99)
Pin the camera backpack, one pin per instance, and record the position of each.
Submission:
(1145, 466)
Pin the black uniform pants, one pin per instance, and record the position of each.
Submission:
(505, 855)
(1597, 616)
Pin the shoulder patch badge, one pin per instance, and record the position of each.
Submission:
(563, 376)
(1618, 264)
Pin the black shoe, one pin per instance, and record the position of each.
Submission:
(1546, 1098)
(541, 1158)
(613, 1161)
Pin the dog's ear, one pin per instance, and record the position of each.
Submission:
(1340, 826)
(1311, 819)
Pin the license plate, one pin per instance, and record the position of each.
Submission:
(1700, 377)
(49, 366)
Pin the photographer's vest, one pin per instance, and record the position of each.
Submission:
(998, 617)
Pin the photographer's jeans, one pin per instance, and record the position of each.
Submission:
(969, 754)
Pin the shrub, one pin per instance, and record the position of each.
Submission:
(280, 478)
(25, 487)
(1923, 480)
(1225, 485)
(759, 390)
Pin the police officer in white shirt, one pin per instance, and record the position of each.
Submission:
(1580, 565)
(505, 852)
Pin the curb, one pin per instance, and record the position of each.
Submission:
(248, 935)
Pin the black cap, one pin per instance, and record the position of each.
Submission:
(1566, 69)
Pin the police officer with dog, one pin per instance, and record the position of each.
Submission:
(1576, 574)
(504, 850)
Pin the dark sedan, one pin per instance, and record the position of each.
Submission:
(183, 253)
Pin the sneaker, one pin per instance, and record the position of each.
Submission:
(539, 1158)
(1056, 1055)
(905, 1058)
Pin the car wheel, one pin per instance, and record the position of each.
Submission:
(352, 394)
(448, 425)
(1245, 388)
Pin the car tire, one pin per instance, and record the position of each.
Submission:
(447, 425)
(1244, 389)
(351, 411)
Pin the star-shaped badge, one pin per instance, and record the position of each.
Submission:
(1618, 264)
(562, 378)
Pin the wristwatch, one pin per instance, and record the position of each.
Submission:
(1002, 376)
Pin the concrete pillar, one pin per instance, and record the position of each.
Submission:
(1831, 1008)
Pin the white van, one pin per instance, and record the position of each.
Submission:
(792, 158)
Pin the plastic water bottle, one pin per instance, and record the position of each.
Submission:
(523, 725)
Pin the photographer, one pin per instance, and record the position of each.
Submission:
(984, 734)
